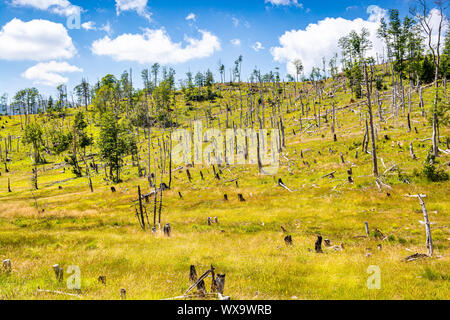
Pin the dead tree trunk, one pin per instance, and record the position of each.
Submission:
(372, 129)
(427, 227)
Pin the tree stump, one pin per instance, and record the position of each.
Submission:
(7, 265)
(113, 189)
(167, 230)
(102, 280)
(59, 272)
(241, 197)
(188, 175)
(288, 240)
(213, 282)
(123, 294)
(193, 274)
(220, 282)
(225, 197)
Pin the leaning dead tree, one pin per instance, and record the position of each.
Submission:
(426, 222)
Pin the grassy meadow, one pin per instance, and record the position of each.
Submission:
(99, 232)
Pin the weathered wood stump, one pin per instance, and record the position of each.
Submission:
(193, 274)
(188, 173)
(241, 197)
(167, 230)
(220, 282)
(123, 294)
(59, 272)
(288, 240)
(102, 280)
(6, 265)
(318, 244)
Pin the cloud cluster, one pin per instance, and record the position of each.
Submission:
(61, 7)
(320, 39)
(140, 6)
(235, 42)
(257, 46)
(191, 16)
(49, 73)
(285, 3)
(36, 40)
(89, 25)
(156, 46)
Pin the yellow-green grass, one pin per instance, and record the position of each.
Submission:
(99, 231)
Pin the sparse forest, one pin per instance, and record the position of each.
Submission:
(88, 178)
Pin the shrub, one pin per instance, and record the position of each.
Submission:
(432, 173)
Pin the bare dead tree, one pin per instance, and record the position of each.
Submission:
(424, 15)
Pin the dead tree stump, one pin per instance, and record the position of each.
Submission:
(113, 189)
(102, 280)
(213, 282)
(318, 244)
(6, 265)
(193, 274)
(225, 197)
(167, 230)
(288, 240)
(188, 175)
(123, 294)
(220, 282)
(241, 197)
(59, 272)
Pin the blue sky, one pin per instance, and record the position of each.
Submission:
(38, 49)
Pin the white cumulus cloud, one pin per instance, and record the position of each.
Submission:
(191, 16)
(61, 7)
(90, 25)
(36, 40)
(140, 6)
(235, 42)
(284, 3)
(49, 73)
(257, 46)
(156, 46)
(321, 40)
